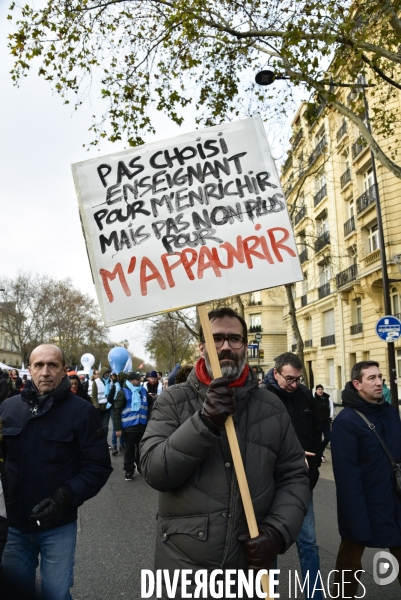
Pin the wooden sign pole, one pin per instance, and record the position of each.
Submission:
(232, 439)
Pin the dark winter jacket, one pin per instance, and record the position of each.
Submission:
(301, 407)
(200, 512)
(369, 511)
(3, 386)
(322, 404)
(57, 442)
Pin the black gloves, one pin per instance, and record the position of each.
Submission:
(219, 403)
(262, 550)
(47, 513)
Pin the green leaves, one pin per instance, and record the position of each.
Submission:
(166, 54)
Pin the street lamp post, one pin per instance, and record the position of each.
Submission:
(383, 259)
(268, 77)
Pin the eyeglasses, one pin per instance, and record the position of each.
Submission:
(234, 341)
(291, 380)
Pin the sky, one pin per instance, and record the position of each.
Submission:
(40, 139)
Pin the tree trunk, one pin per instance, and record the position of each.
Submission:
(240, 306)
(295, 329)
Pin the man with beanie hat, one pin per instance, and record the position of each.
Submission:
(131, 417)
(153, 387)
(56, 458)
(185, 455)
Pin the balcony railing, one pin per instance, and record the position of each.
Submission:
(294, 347)
(328, 340)
(345, 178)
(357, 328)
(349, 226)
(308, 343)
(357, 147)
(367, 198)
(372, 257)
(297, 139)
(342, 131)
(324, 290)
(322, 241)
(322, 193)
(288, 163)
(318, 150)
(303, 257)
(255, 302)
(300, 215)
(347, 275)
(304, 300)
(255, 329)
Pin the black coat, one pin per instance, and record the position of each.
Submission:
(301, 407)
(3, 386)
(322, 407)
(369, 510)
(59, 443)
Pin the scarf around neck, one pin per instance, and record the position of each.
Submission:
(136, 398)
(204, 377)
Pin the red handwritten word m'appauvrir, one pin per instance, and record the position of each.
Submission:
(195, 262)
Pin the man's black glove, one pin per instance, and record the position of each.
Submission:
(262, 550)
(47, 513)
(219, 403)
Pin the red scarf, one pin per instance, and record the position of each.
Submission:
(204, 377)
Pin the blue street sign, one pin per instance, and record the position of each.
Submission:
(388, 328)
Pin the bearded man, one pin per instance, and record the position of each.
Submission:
(185, 455)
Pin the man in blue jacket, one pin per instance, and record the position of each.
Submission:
(56, 457)
(369, 510)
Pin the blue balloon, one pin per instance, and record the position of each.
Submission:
(118, 357)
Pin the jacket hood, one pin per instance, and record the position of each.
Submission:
(351, 397)
(273, 386)
(324, 395)
(271, 379)
(32, 396)
(103, 370)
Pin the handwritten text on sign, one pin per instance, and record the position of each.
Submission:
(184, 221)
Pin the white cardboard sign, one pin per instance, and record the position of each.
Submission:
(187, 220)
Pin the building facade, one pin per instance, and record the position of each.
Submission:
(331, 194)
(267, 331)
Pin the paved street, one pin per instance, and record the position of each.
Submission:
(116, 540)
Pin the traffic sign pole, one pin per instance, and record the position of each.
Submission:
(388, 329)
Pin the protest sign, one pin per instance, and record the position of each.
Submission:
(183, 221)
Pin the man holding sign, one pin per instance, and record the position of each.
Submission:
(185, 455)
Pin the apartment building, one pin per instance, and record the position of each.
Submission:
(331, 194)
(267, 332)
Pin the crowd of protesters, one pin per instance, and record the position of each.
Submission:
(71, 413)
